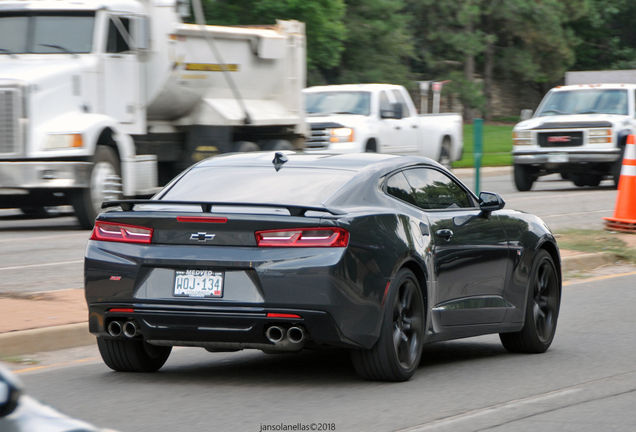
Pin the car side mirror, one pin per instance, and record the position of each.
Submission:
(10, 391)
(526, 114)
(490, 201)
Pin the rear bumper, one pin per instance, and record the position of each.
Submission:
(214, 327)
(312, 283)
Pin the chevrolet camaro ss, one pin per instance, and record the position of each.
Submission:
(379, 254)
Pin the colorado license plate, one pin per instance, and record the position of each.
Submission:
(198, 283)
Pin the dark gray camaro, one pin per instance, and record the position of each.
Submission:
(282, 251)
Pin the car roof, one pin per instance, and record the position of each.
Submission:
(349, 161)
(351, 87)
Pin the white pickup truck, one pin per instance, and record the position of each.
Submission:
(378, 118)
(579, 130)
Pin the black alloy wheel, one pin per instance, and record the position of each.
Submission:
(397, 353)
(542, 309)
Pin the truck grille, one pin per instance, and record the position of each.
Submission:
(9, 113)
(319, 139)
(560, 139)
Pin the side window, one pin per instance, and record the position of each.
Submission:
(434, 190)
(116, 41)
(385, 105)
(399, 98)
(398, 187)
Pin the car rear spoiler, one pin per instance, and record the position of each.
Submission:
(206, 207)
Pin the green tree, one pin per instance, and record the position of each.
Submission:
(324, 20)
(378, 46)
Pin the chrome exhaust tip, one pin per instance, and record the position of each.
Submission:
(275, 334)
(130, 329)
(114, 328)
(296, 334)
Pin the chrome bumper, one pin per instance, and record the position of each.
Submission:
(545, 157)
(44, 175)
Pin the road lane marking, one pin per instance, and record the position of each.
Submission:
(579, 213)
(35, 368)
(516, 403)
(598, 278)
(41, 265)
(561, 196)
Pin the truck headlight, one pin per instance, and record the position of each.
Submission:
(61, 141)
(341, 135)
(600, 136)
(522, 138)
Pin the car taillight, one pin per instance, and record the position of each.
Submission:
(108, 231)
(303, 237)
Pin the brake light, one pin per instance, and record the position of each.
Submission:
(204, 219)
(282, 315)
(303, 237)
(108, 231)
(122, 310)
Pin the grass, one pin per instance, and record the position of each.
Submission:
(20, 360)
(496, 146)
(596, 241)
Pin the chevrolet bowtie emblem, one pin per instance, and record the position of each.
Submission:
(202, 236)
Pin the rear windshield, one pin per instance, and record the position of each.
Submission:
(258, 185)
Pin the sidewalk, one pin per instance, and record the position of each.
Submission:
(57, 320)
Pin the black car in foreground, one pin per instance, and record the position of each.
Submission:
(379, 254)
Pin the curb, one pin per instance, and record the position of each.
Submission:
(587, 261)
(45, 339)
(23, 342)
(466, 173)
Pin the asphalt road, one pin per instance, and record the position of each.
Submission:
(46, 254)
(585, 382)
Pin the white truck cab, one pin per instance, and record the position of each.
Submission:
(103, 99)
(578, 130)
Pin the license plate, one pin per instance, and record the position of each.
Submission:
(198, 283)
(558, 158)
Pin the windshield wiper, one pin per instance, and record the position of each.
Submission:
(5, 50)
(588, 112)
(60, 47)
(345, 112)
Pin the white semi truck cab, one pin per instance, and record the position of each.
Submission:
(579, 130)
(102, 99)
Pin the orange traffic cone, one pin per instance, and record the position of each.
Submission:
(625, 211)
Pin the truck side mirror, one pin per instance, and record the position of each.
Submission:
(397, 110)
(526, 114)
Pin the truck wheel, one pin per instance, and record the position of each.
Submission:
(371, 147)
(105, 185)
(245, 146)
(444, 154)
(524, 177)
(616, 169)
(277, 144)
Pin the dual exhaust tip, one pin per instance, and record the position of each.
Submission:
(277, 334)
(128, 329)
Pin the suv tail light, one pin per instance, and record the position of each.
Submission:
(108, 231)
(303, 237)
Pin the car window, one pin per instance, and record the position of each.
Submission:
(399, 98)
(259, 185)
(116, 42)
(434, 190)
(385, 105)
(399, 187)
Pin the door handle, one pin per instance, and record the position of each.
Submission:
(424, 229)
(397, 127)
(414, 126)
(446, 234)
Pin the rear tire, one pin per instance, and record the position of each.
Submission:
(277, 145)
(524, 177)
(371, 147)
(542, 309)
(245, 146)
(396, 355)
(105, 185)
(444, 155)
(125, 355)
